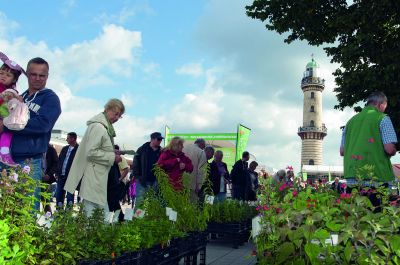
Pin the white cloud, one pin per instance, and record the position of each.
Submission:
(125, 14)
(128, 100)
(200, 110)
(193, 69)
(8, 25)
(152, 70)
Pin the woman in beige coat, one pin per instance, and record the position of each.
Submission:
(95, 157)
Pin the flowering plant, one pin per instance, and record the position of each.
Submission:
(319, 226)
(18, 235)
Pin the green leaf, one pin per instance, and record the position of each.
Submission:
(322, 234)
(65, 254)
(348, 251)
(317, 217)
(312, 251)
(334, 226)
(284, 252)
(381, 245)
(395, 244)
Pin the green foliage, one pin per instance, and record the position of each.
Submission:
(19, 243)
(73, 236)
(231, 211)
(362, 36)
(190, 216)
(302, 229)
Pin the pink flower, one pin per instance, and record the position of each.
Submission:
(371, 140)
(26, 170)
(278, 210)
(338, 200)
(281, 188)
(343, 185)
(258, 208)
(353, 157)
(266, 208)
(359, 157)
(345, 196)
(289, 168)
(294, 193)
(14, 177)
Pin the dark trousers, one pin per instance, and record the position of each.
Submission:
(60, 193)
(238, 192)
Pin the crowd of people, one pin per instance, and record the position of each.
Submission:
(96, 167)
(98, 170)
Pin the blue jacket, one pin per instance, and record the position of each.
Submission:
(32, 142)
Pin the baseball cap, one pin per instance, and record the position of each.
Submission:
(156, 135)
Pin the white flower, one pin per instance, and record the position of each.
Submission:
(26, 170)
(48, 214)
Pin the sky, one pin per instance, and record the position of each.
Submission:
(196, 66)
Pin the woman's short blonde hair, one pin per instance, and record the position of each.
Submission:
(115, 104)
(174, 143)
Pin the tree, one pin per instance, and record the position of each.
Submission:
(363, 36)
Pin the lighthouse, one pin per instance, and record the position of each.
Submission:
(313, 130)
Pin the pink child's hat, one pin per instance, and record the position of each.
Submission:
(13, 65)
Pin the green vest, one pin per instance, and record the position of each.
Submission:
(363, 145)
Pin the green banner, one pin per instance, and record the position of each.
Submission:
(229, 156)
(243, 134)
(226, 142)
(205, 136)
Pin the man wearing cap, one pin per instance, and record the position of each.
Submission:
(143, 162)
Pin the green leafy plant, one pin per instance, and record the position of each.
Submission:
(18, 216)
(190, 216)
(299, 226)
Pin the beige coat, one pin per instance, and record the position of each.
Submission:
(199, 161)
(92, 162)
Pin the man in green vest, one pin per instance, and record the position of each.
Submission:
(369, 139)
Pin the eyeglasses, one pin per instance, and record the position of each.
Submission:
(36, 76)
(159, 139)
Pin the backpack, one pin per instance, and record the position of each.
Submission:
(18, 117)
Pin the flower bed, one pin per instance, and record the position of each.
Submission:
(303, 224)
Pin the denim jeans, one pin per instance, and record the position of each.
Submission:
(141, 191)
(36, 173)
(60, 193)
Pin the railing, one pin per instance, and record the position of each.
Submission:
(322, 129)
(311, 80)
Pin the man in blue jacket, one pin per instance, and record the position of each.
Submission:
(29, 145)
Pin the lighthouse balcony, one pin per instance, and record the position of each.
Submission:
(312, 80)
(314, 129)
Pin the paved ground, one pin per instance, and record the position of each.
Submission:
(220, 252)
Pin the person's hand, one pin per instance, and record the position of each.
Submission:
(117, 152)
(117, 158)
(20, 98)
(182, 166)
